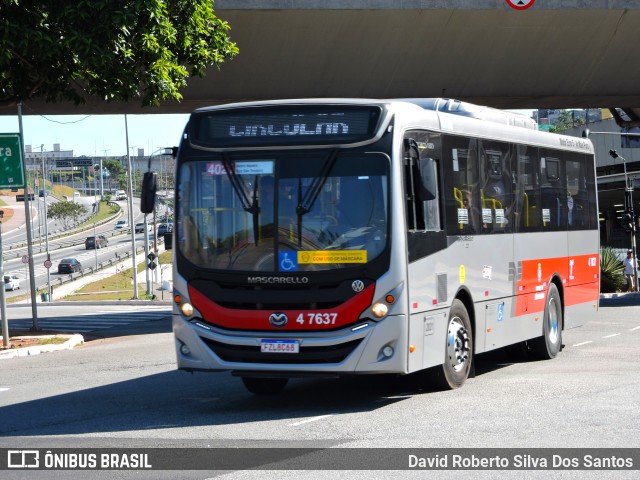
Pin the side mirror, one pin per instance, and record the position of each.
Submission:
(148, 196)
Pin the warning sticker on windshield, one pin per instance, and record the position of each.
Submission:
(332, 256)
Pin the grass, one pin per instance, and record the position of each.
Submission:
(118, 286)
(8, 213)
(23, 342)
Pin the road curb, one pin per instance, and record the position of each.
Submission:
(72, 341)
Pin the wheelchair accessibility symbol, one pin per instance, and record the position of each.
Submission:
(288, 261)
(501, 312)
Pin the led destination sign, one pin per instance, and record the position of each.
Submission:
(283, 126)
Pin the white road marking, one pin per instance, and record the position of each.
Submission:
(583, 343)
(612, 335)
(4, 389)
(312, 419)
(634, 328)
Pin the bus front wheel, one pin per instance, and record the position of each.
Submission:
(458, 351)
(264, 386)
(549, 344)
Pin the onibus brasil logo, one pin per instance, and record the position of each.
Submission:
(520, 4)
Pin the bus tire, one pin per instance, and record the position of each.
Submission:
(264, 386)
(549, 344)
(459, 350)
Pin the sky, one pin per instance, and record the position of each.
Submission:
(98, 135)
(103, 135)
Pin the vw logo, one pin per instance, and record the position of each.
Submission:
(278, 319)
(357, 285)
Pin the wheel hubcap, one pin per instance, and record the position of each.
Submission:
(553, 321)
(458, 349)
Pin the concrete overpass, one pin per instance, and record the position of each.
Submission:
(556, 54)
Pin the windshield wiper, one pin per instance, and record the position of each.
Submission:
(250, 205)
(305, 204)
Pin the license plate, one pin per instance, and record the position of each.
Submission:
(279, 346)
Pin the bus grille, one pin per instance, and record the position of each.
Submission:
(307, 355)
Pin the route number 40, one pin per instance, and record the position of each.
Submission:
(317, 319)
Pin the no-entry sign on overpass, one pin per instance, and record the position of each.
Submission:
(11, 171)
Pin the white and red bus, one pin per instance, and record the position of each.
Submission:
(339, 237)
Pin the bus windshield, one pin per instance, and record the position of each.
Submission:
(283, 212)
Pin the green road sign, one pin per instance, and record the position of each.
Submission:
(11, 172)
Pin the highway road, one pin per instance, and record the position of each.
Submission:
(67, 246)
(123, 390)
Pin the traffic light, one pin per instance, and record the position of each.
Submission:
(148, 195)
(627, 221)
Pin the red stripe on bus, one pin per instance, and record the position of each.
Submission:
(579, 275)
(344, 314)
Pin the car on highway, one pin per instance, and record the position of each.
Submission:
(11, 282)
(69, 265)
(99, 241)
(122, 224)
(120, 195)
(140, 228)
(165, 228)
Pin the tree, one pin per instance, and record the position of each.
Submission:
(67, 213)
(118, 50)
(116, 171)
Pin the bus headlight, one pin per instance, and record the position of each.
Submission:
(186, 309)
(380, 309)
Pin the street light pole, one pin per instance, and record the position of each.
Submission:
(3, 306)
(46, 229)
(131, 223)
(27, 216)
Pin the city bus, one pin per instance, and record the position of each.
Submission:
(335, 237)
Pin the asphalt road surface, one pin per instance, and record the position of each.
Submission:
(123, 390)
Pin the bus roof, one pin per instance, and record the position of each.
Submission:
(444, 114)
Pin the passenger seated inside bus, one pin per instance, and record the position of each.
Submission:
(495, 193)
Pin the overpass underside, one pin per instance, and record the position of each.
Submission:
(554, 55)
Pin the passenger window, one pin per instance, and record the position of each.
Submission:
(526, 209)
(497, 186)
(462, 200)
(553, 192)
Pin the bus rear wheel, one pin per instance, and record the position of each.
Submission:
(264, 386)
(549, 344)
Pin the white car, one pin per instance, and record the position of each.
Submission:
(140, 228)
(11, 282)
(122, 224)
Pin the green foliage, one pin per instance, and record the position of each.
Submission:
(611, 271)
(566, 119)
(116, 171)
(117, 50)
(68, 213)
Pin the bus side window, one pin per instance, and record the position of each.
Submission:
(462, 197)
(527, 195)
(553, 193)
(576, 198)
(497, 186)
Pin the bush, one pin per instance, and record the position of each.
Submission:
(612, 277)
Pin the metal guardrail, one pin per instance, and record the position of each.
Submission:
(20, 248)
(61, 280)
